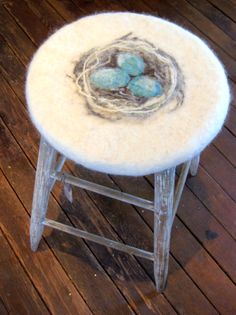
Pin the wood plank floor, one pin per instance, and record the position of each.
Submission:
(71, 276)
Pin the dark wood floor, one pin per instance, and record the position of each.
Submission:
(70, 276)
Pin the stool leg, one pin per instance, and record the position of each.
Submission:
(46, 161)
(194, 165)
(163, 217)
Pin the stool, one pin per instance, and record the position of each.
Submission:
(124, 94)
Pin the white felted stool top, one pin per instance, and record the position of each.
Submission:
(120, 131)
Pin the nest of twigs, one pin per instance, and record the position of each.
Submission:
(119, 103)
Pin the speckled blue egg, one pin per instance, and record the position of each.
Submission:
(145, 86)
(133, 64)
(109, 78)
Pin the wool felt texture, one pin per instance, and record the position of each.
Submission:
(130, 145)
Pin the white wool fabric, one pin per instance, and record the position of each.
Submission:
(127, 146)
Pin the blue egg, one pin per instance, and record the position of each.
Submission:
(145, 86)
(133, 64)
(109, 78)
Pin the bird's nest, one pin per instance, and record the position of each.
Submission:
(118, 103)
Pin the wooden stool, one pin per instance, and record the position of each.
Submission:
(124, 94)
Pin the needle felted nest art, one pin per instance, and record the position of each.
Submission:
(128, 77)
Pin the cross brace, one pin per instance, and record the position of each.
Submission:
(164, 206)
(98, 239)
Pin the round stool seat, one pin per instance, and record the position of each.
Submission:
(126, 93)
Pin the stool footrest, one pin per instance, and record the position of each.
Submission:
(99, 239)
(102, 190)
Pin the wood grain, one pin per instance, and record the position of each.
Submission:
(202, 263)
(163, 218)
(43, 269)
(22, 297)
(46, 160)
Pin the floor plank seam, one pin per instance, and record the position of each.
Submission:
(210, 40)
(216, 25)
(19, 24)
(223, 154)
(223, 12)
(9, 244)
(217, 183)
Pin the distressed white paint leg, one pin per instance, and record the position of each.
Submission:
(194, 165)
(180, 186)
(46, 161)
(163, 211)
